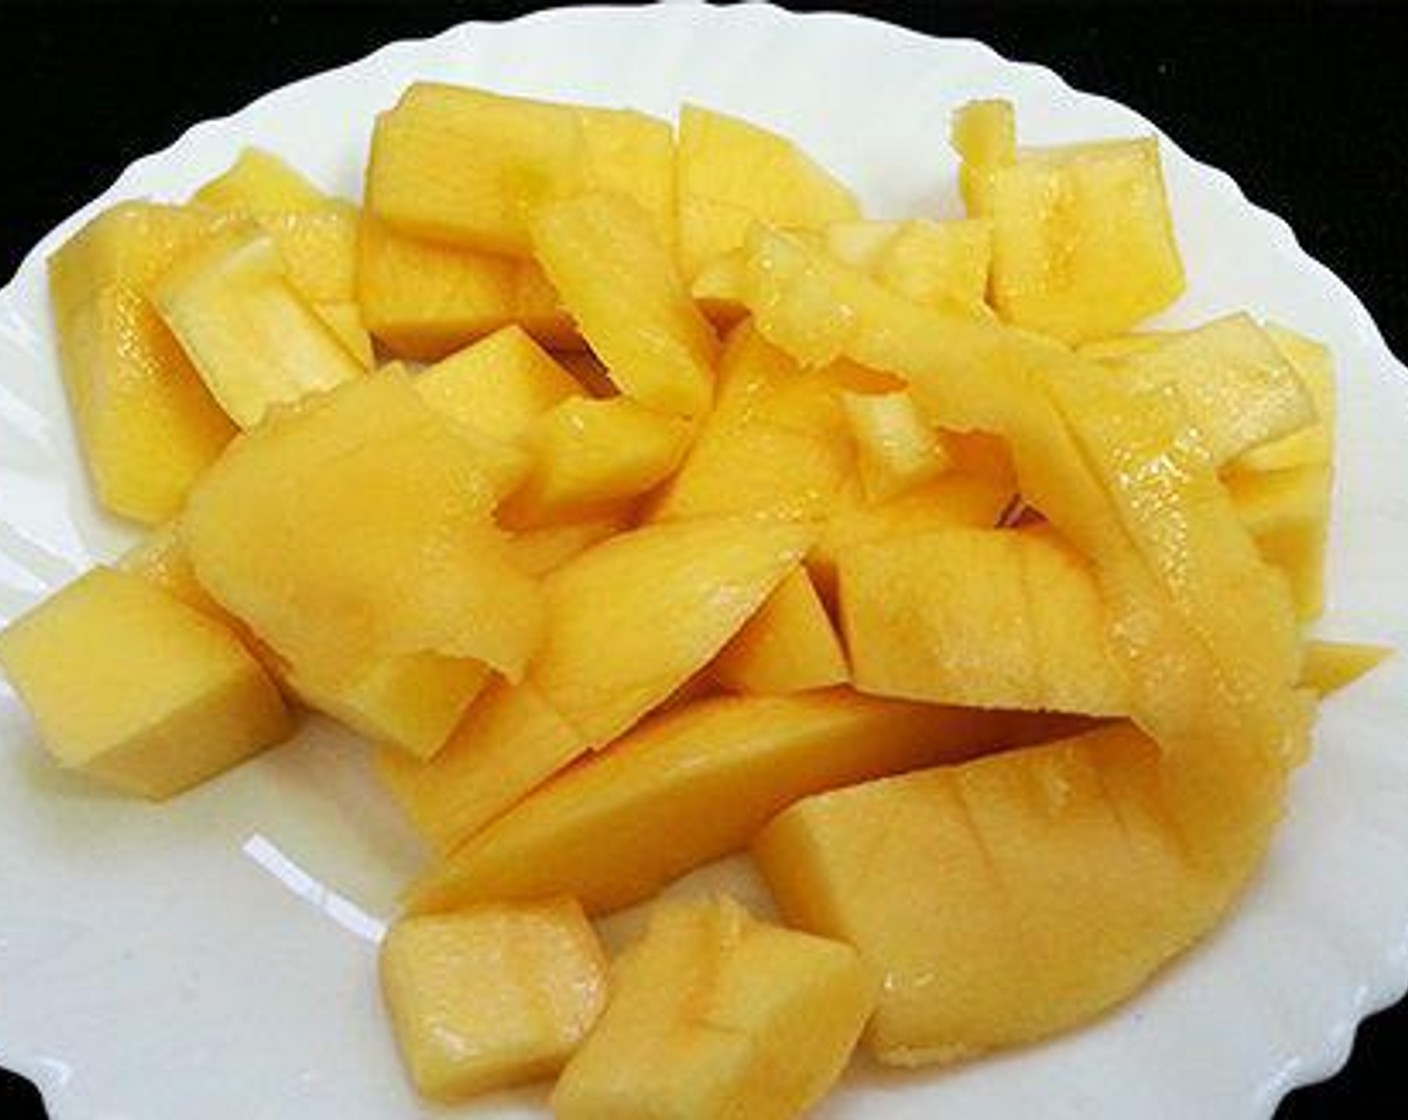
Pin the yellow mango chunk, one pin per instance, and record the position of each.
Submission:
(418, 565)
(975, 892)
(136, 689)
(1287, 513)
(715, 1015)
(538, 551)
(345, 321)
(448, 164)
(985, 617)
(1314, 443)
(695, 784)
(622, 287)
(633, 154)
(318, 248)
(493, 996)
(1082, 237)
(253, 340)
(768, 413)
(733, 173)
(1236, 386)
(788, 646)
(898, 449)
(1331, 666)
(590, 456)
(146, 422)
(707, 576)
(499, 385)
(425, 300)
(258, 180)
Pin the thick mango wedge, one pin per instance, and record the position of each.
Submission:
(695, 784)
(375, 470)
(977, 891)
(621, 284)
(790, 645)
(716, 1016)
(146, 422)
(732, 173)
(708, 576)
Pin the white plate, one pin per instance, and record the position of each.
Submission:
(214, 957)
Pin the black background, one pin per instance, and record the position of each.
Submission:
(1303, 104)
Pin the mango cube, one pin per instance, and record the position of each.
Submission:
(255, 342)
(590, 456)
(146, 422)
(788, 646)
(137, 689)
(448, 164)
(707, 576)
(733, 173)
(258, 180)
(976, 891)
(493, 996)
(1082, 237)
(715, 1015)
(898, 449)
(418, 567)
(499, 385)
(425, 300)
(993, 618)
(621, 284)
(694, 784)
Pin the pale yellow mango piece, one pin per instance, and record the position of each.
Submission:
(259, 180)
(1331, 666)
(898, 450)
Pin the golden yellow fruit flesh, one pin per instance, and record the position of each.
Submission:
(492, 996)
(259, 180)
(591, 456)
(1000, 900)
(539, 551)
(318, 247)
(707, 576)
(733, 173)
(715, 1015)
(622, 286)
(1287, 513)
(146, 422)
(499, 385)
(984, 135)
(345, 321)
(898, 449)
(1331, 666)
(992, 618)
(358, 527)
(138, 690)
(695, 784)
(1315, 442)
(255, 342)
(788, 646)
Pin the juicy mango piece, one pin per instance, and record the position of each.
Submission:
(499, 385)
(985, 137)
(1235, 384)
(258, 180)
(255, 343)
(1287, 513)
(345, 321)
(695, 784)
(419, 566)
(898, 449)
(450, 165)
(732, 173)
(707, 576)
(1314, 443)
(768, 413)
(975, 892)
(621, 284)
(493, 996)
(992, 618)
(788, 646)
(138, 690)
(632, 154)
(1331, 666)
(1083, 241)
(590, 456)
(714, 1015)
(146, 422)
(425, 300)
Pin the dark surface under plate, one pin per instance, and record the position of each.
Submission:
(1302, 104)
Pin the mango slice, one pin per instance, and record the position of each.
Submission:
(259, 180)
(790, 645)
